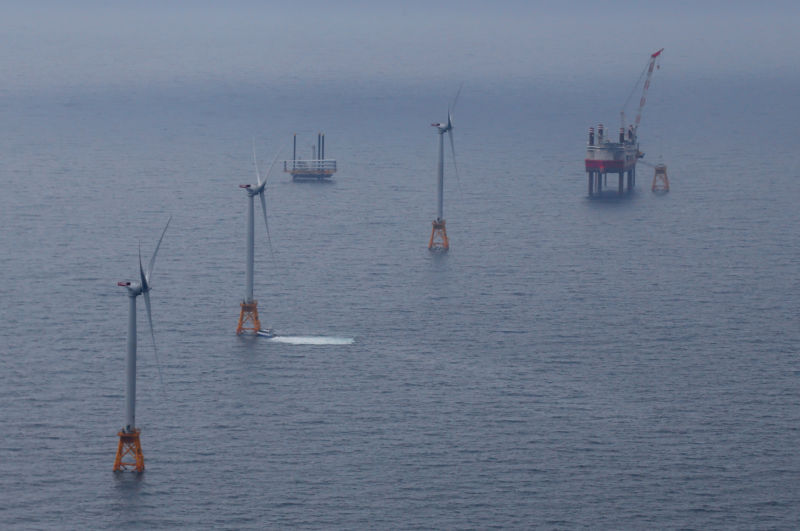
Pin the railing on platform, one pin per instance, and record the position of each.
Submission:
(310, 166)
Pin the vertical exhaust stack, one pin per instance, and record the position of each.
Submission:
(591, 136)
(294, 151)
(319, 145)
(323, 147)
(621, 135)
(600, 134)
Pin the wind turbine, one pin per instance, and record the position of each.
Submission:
(248, 317)
(439, 239)
(129, 445)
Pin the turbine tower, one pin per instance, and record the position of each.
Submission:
(129, 445)
(248, 316)
(439, 239)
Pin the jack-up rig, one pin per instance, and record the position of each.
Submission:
(438, 240)
(316, 168)
(604, 156)
(129, 446)
(248, 316)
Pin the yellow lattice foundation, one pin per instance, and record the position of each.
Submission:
(660, 180)
(129, 447)
(248, 318)
(439, 236)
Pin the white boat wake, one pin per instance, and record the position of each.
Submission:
(313, 340)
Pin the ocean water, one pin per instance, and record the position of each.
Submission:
(610, 363)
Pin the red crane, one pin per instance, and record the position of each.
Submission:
(650, 68)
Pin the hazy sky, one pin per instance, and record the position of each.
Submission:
(99, 44)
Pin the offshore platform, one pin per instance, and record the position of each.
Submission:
(317, 168)
(605, 155)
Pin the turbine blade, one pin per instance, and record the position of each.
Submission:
(153, 337)
(455, 164)
(153, 258)
(255, 163)
(272, 165)
(142, 276)
(269, 171)
(452, 109)
(264, 209)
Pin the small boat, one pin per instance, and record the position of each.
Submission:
(266, 332)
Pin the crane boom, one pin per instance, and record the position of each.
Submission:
(650, 68)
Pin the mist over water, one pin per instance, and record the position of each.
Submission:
(612, 363)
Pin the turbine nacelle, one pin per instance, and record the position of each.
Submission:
(253, 190)
(134, 288)
(444, 128)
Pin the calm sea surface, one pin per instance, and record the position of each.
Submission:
(610, 363)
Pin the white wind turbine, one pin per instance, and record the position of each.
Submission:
(248, 317)
(129, 445)
(439, 239)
